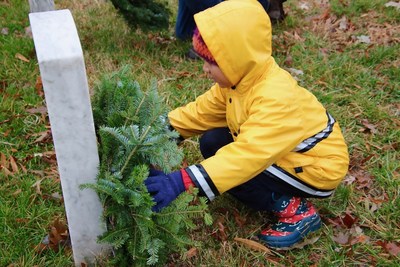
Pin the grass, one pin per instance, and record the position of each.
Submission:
(358, 82)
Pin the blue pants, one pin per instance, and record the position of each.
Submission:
(258, 193)
(185, 24)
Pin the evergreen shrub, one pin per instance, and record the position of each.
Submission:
(134, 134)
(145, 14)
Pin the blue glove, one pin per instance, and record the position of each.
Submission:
(164, 187)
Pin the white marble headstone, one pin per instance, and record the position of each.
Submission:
(41, 5)
(66, 91)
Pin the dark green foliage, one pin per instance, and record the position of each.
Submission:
(134, 135)
(145, 14)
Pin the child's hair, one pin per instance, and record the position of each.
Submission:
(201, 49)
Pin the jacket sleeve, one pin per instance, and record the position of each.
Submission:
(206, 112)
(272, 129)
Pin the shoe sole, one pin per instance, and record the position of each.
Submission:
(285, 242)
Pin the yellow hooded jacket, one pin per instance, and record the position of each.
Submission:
(273, 121)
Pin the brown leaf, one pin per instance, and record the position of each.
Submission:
(240, 221)
(41, 247)
(22, 220)
(57, 237)
(390, 247)
(43, 137)
(39, 86)
(369, 127)
(341, 238)
(21, 57)
(364, 179)
(349, 179)
(7, 172)
(349, 220)
(38, 110)
(14, 165)
(192, 252)
(253, 245)
(3, 161)
(393, 248)
(37, 186)
(359, 239)
(4, 31)
(24, 170)
(17, 192)
(220, 233)
(221, 230)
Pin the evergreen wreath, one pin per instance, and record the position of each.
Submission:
(134, 134)
(145, 14)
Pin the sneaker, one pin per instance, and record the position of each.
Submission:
(296, 219)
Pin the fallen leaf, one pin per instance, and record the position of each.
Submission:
(296, 71)
(17, 192)
(253, 245)
(393, 4)
(359, 239)
(28, 32)
(240, 221)
(343, 25)
(393, 248)
(192, 252)
(24, 170)
(6, 171)
(369, 126)
(21, 57)
(43, 137)
(341, 238)
(4, 31)
(3, 161)
(22, 220)
(221, 230)
(57, 237)
(37, 186)
(349, 220)
(56, 196)
(37, 110)
(14, 165)
(39, 86)
(304, 6)
(349, 179)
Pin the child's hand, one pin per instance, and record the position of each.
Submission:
(164, 187)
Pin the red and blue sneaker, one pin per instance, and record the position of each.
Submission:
(296, 219)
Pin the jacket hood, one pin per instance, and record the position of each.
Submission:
(238, 35)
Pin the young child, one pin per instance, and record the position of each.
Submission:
(266, 140)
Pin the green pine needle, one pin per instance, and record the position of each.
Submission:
(133, 135)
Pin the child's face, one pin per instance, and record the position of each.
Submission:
(216, 74)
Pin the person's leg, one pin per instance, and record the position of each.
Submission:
(269, 192)
(197, 6)
(212, 140)
(296, 217)
(265, 4)
(185, 24)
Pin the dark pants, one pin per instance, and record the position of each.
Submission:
(185, 24)
(258, 193)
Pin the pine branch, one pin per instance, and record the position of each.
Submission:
(134, 134)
